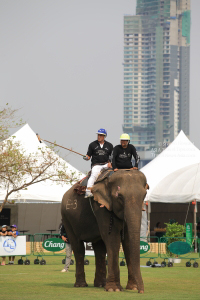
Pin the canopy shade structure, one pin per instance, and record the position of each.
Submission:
(179, 154)
(179, 187)
(46, 191)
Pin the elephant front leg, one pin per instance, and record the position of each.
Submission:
(100, 259)
(131, 284)
(113, 280)
(131, 246)
(79, 253)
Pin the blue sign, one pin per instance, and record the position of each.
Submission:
(9, 245)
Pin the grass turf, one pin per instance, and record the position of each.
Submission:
(40, 282)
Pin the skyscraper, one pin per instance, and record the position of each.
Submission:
(156, 72)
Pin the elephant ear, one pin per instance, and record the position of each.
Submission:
(101, 193)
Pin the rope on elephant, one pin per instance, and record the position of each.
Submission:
(111, 223)
(91, 206)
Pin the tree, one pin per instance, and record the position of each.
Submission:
(174, 232)
(19, 169)
(8, 120)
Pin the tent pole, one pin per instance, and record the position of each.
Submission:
(195, 227)
(149, 211)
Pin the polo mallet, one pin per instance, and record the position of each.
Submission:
(40, 140)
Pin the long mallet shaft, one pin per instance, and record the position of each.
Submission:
(40, 140)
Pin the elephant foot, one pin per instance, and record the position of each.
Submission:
(80, 284)
(133, 287)
(99, 283)
(113, 287)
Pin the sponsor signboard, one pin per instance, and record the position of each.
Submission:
(54, 244)
(89, 249)
(10, 246)
(179, 247)
(189, 233)
(144, 247)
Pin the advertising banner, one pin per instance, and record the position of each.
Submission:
(54, 244)
(10, 246)
(89, 249)
(189, 233)
(144, 247)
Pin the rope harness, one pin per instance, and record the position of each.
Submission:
(111, 222)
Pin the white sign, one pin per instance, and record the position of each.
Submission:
(10, 246)
(89, 249)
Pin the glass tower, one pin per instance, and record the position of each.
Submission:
(156, 72)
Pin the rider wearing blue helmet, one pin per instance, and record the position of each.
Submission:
(99, 150)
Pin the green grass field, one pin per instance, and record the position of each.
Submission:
(40, 282)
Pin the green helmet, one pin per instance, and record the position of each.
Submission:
(124, 137)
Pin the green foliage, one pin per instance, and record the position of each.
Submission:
(174, 232)
(8, 120)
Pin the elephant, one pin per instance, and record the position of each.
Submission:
(111, 217)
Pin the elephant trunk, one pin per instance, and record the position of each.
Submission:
(132, 214)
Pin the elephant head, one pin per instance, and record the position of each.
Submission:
(122, 192)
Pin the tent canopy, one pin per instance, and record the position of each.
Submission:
(47, 191)
(178, 187)
(179, 154)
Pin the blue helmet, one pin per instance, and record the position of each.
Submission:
(102, 131)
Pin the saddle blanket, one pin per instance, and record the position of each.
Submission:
(81, 186)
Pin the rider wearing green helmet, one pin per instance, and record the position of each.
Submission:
(122, 154)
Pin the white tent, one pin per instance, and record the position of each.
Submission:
(163, 169)
(37, 209)
(180, 186)
(180, 153)
(42, 191)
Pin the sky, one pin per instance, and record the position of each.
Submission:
(61, 64)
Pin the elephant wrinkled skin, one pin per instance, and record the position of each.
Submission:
(122, 194)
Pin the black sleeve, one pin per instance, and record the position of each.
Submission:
(136, 156)
(111, 157)
(89, 152)
(114, 157)
(111, 149)
(62, 231)
(111, 153)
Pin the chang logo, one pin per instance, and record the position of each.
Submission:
(53, 244)
(144, 247)
(9, 245)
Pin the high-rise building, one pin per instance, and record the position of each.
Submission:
(156, 72)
